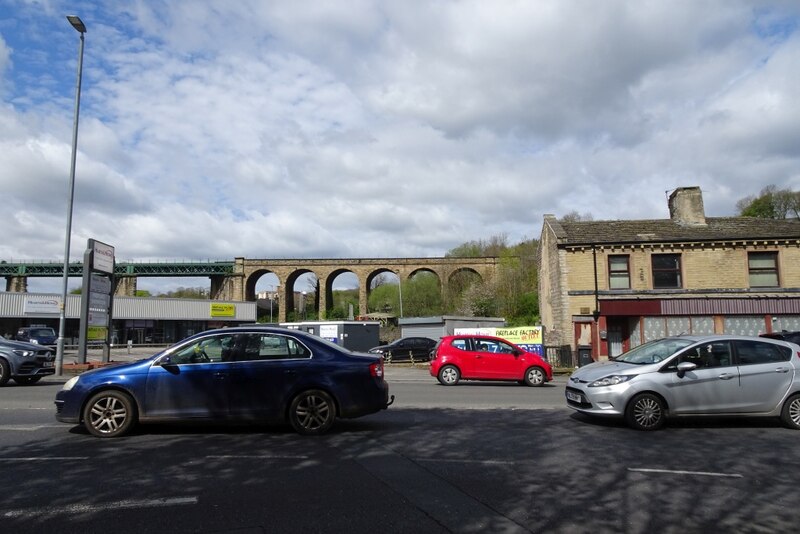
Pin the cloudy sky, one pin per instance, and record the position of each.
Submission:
(314, 129)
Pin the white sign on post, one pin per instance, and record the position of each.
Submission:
(103, 257)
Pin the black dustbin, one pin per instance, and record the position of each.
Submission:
(584, 355)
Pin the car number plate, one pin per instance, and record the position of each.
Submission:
(573, 396)
(49, 364)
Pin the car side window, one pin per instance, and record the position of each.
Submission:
(205, 350)
(460, 344)
(755, 352)
(706, 356)
(253, 347)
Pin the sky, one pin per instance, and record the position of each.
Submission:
(366, 129)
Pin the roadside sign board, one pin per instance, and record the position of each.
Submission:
(96, 298)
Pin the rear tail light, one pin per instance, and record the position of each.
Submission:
(376, 369)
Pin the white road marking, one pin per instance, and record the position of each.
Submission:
(457, 461)
(256, 456)
(27, 428)
(679, 472)
(100, 507)
(43, 458)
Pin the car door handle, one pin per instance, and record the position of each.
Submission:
(782, 370)
(220, 376)
(289, 372)
(726, 376)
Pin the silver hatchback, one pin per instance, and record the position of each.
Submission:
(692, 375)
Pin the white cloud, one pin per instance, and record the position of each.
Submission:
(375, 129)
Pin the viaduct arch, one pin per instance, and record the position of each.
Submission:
(236, 281)
(248, 271)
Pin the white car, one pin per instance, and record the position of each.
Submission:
(692, 375)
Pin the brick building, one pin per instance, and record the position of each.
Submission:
(608, 286)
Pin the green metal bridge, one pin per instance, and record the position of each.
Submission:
(44, 268)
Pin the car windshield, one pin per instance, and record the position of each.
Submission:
(43, 332)
(654, 351)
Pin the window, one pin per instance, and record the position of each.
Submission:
(708, 356)
(666, 271)
(619, 272)
(208, 349)
(460, 344)
(763, 269)
(755, 352)
(269, 347)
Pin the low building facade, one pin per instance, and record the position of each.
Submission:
(608, 286)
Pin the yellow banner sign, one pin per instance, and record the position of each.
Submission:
(223, 310)
(523, 335)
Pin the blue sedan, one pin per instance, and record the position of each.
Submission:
(250, 374)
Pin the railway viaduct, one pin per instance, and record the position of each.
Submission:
(236, 280)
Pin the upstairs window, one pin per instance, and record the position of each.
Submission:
(763, 269)
(666, 271)
(619, 272)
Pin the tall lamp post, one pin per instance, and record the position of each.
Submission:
(77, 23)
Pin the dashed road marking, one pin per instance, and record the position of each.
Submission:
(680, 472)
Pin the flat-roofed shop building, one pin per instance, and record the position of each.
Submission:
(608, 286)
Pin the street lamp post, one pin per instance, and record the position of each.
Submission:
(77, 23)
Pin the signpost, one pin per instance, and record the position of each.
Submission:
(96, 301)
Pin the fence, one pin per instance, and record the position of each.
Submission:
(561, 356)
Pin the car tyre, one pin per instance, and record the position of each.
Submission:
(27, 380)
(535, 377)
(790, 414)
(5, 372)
(312, 412)
(109, 414)
(646, 411)
(449, 375)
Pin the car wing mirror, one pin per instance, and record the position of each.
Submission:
(685, 367)
(168, 365)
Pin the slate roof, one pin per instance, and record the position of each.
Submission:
(667, 230)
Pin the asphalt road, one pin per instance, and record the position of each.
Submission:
(471, 458)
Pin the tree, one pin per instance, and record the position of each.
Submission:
(574, 216)
(771, 203)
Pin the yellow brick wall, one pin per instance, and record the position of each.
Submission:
(702, 268)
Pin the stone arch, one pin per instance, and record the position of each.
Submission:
(252, 281)
(458, 280)
(329, 279)
(289, 292)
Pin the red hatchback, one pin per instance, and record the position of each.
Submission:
(473, 357)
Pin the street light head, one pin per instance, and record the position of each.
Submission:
(77, 23)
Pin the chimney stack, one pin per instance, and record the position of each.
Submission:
(686, 207)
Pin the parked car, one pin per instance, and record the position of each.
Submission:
(38, 335)
(26, 363)
(406, 348)
(785, 335)
(250, 374)
(473, 357)
(692, 375)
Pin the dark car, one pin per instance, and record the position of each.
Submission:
(245, 374)
(38, 335)
(26, 363)
(406, 348)
(792, 337)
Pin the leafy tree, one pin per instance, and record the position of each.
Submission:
(574, 216)
(342, 300)
(187, 293)
(771, 203)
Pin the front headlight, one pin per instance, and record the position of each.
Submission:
(24, 353)
(69, 384)
(611, 380)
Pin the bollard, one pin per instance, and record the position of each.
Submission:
(130, 345)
